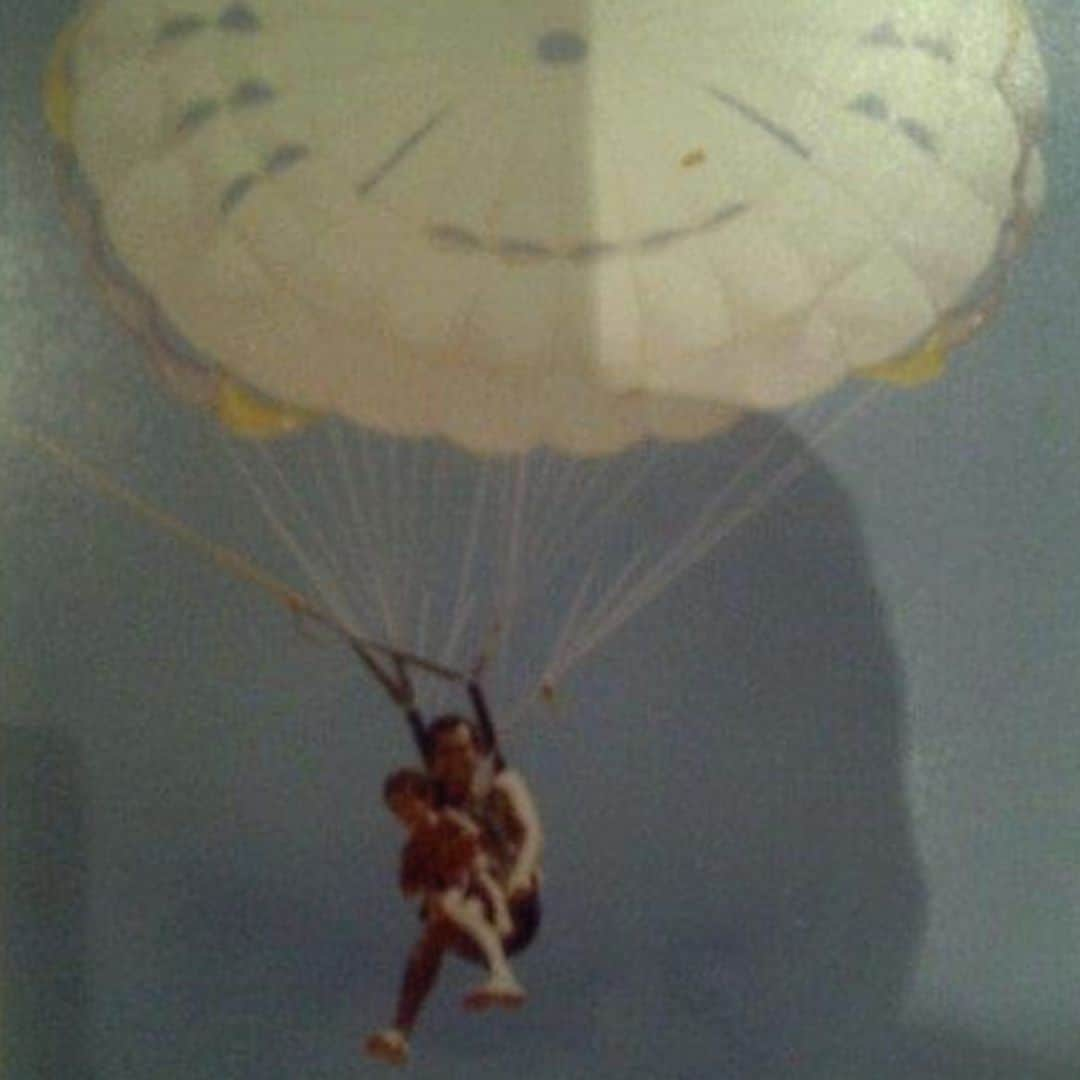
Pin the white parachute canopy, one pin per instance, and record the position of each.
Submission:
(562, 224)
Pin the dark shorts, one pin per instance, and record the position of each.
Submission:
(526, 915)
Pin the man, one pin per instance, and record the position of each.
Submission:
(470, 775)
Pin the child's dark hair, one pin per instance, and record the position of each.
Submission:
(408, 782)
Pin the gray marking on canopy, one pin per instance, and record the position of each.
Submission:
(919, 134)
(455, 238)
(284, 157)
(236, 190)
(562, 47)
(592, 251)
(870, 104)
(200, 111)
(239, 18)
(196, 114)
(663, 238)
(180, 26)
(469, 242)
(251, 92)
(514, 248)
(884, 35)
(406, 147)
(724, 215)
(279, 160)
(938, 48)
(760, 120)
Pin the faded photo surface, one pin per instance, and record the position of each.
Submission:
(684, 392)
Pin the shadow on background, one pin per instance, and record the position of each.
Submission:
(43, 892)
(739, 772)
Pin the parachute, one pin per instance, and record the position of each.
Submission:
(561, 231)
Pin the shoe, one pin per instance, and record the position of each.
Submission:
(389, 1046)
(501, 990)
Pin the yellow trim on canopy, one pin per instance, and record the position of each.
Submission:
(56, 82)
(922, 365)
(247, 413)
(243, 411)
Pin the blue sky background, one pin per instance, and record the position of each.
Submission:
(813, 814)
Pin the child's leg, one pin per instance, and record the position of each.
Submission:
(391, 1043)
(496, 898)
(467, 914)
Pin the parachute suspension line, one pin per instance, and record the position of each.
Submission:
(570, 504)
(360, 542)
(332, 487)
(380, 533)
(751, 473)
(315, 526)
(595, 500)
(716, 522)
(512, 498)
(315, 573)
(415, 591)
(633, 481)
(391, 505)
(571, 536)
(594, 519)
(580, 513)
(539, 517)
(621, 491)
(437, 497)
(232, 562)
(540, 521)
(517, 525)
(386, 496)
(579, 619)
(561, 645)
(535, 515)
(423, 623)
(535, 521)
(97, 480)
(628, 595)
(314, 514)
(464, 605)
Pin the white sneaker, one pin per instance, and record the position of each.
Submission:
(503, 990)
(389, 1046)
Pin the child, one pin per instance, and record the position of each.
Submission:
(444, 861)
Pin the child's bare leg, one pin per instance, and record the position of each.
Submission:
(467, 914)
(421, 972)
(496, 897)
